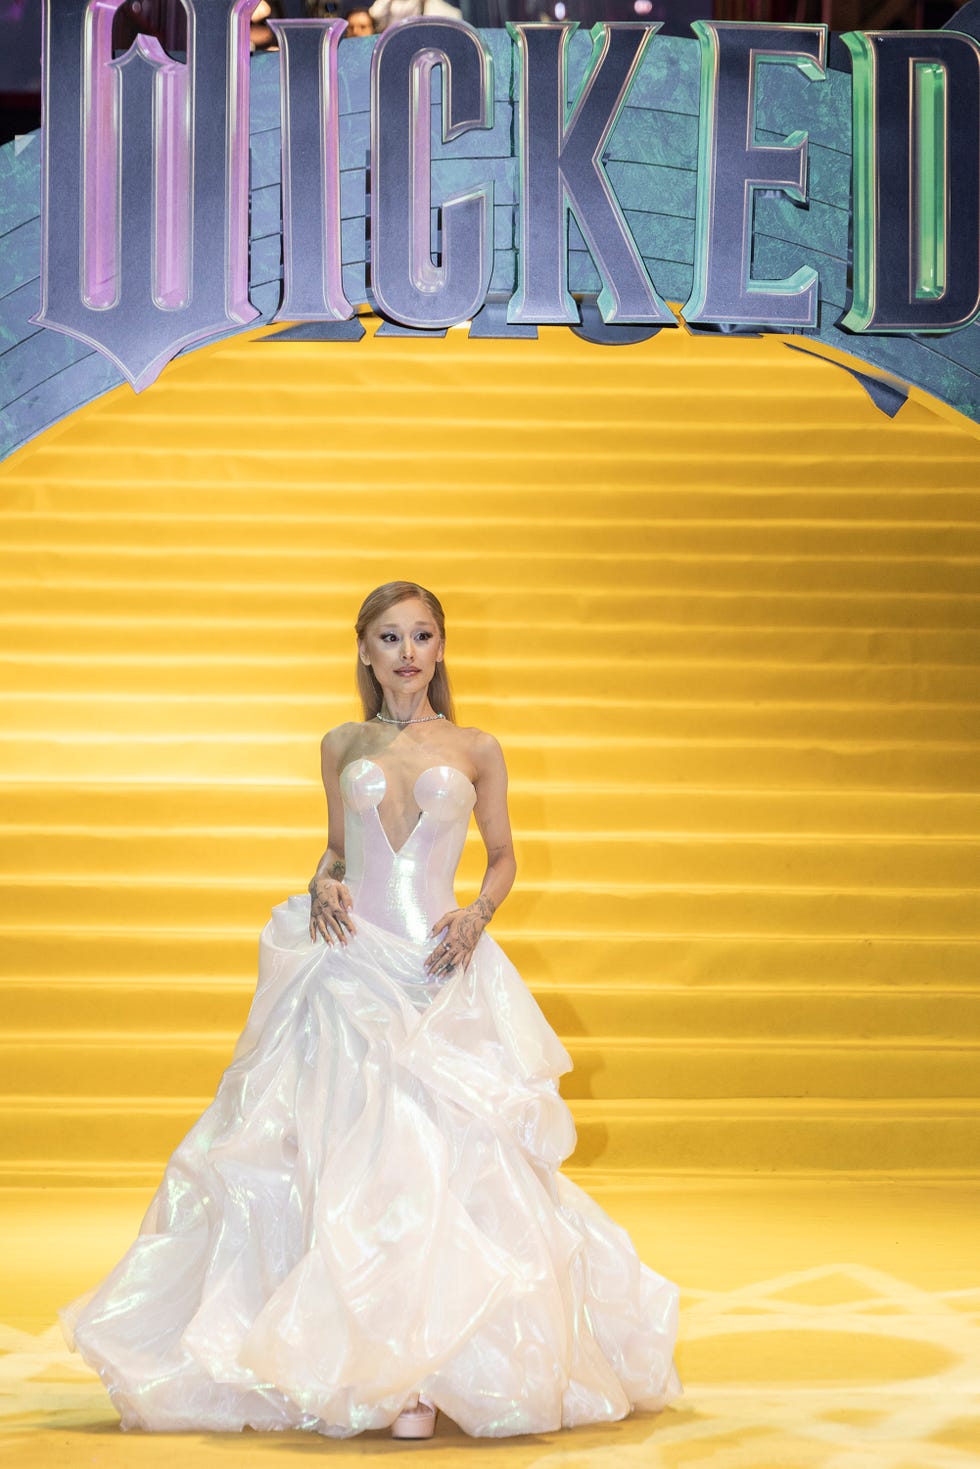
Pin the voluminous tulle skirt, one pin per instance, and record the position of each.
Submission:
(372, 1206)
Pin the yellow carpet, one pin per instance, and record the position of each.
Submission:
(824, 1325)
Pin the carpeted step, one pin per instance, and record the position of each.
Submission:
(91, 1140)
(611, 1066)
(628, 858)
(918, 911)
(723, 684)
(769, 627)
(167, 748)
(131, 952)
(70, 811)
(87, 1008)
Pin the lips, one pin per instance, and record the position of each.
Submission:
(404, 672)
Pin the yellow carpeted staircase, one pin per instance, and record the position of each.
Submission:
(724, 617)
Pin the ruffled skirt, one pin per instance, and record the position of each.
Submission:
(371, 1206)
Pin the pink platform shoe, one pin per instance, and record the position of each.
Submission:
(416, 1422)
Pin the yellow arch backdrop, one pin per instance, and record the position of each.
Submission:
(724, 617)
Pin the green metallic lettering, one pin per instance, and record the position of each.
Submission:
(929, 137)
(865, 184)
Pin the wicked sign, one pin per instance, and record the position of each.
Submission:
(760, 177)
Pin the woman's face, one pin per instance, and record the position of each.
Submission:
(403, 646)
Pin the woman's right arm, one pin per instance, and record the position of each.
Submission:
(330, 899)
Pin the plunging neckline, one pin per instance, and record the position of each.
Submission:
(368, 761)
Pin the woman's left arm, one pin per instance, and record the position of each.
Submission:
(464, 925)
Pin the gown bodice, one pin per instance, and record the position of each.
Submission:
(404, 891)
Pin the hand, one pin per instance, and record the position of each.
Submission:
(463, 927)
(330, 909)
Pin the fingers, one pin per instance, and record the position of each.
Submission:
(330, 926)
(436, 958)
(445, 923)
(446, 957)
(343, 914)
(435, 961)
(450, 962)
(330, 913)
(340, 923)
(335, 930)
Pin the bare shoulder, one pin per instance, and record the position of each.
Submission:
(338, 740)
(485, 751)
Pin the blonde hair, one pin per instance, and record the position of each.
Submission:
(374, 605)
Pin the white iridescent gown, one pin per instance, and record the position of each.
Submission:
(371, 1204)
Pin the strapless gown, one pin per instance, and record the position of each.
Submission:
(372, 1203)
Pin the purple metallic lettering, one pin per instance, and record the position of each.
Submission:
(310, 127)
(408, 285)
(144, 213)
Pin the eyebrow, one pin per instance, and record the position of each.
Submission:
(420, 622)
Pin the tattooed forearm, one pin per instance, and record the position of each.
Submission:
(484, 906)
(333, 873)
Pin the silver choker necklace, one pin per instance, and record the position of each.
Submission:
(424, 720)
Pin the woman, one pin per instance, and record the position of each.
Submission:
(368, 1223)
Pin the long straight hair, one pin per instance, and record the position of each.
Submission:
(374, 605)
